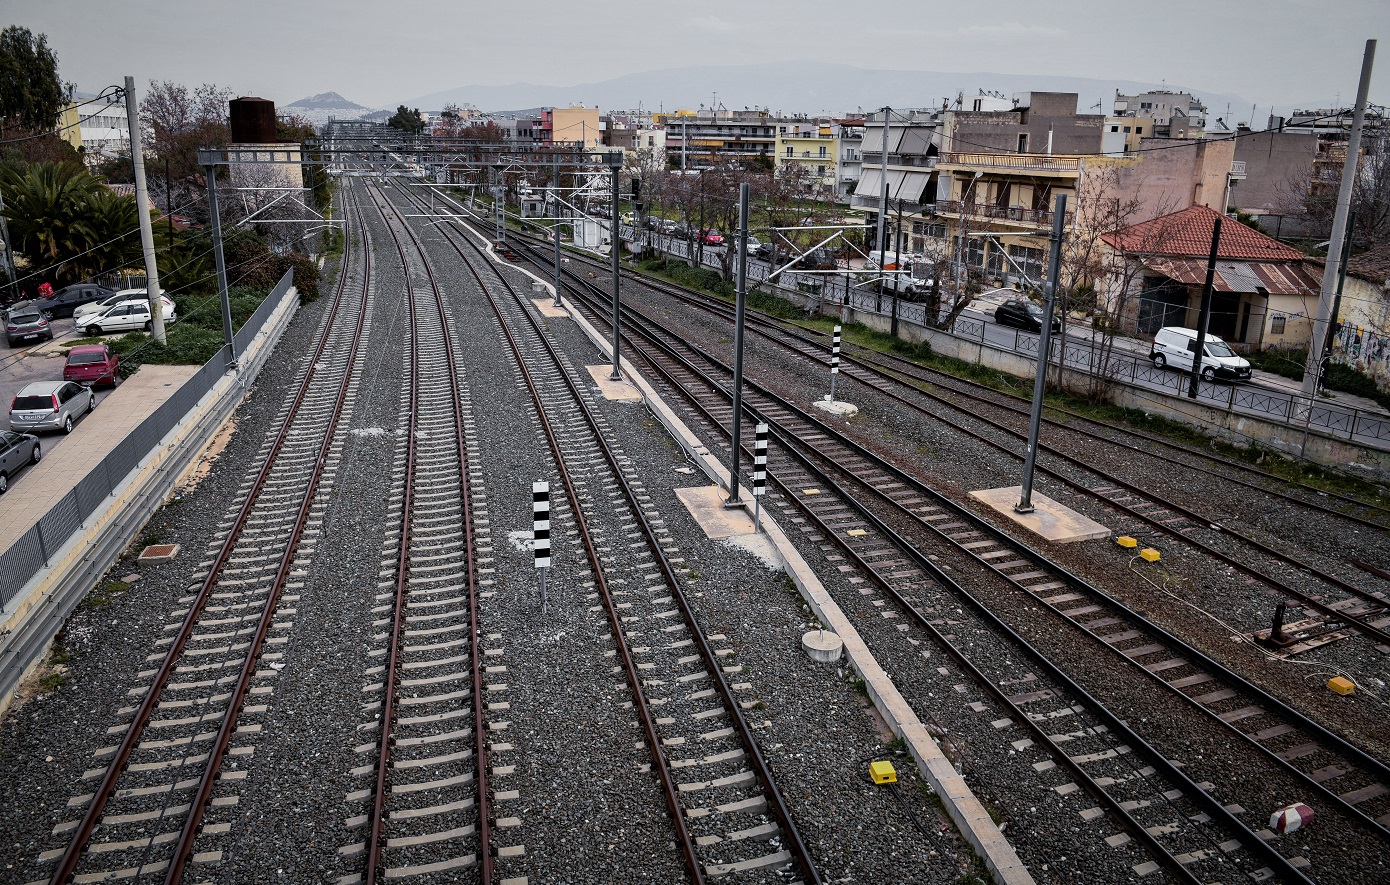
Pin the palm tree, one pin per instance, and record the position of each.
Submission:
(43, 205)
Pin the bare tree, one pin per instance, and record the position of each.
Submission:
(176, 123)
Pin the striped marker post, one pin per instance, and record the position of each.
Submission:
(540, 532)
(759, 473)
(834, 361)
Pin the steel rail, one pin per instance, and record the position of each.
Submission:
(711, 304)
(1117, 725)
(67, 864)
(183, 849)
(378, 817)
(800, 854)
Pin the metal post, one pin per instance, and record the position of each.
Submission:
(759, 473)
(615, 162)
(882, 210)
(1339, 225)
(1337, 302)
(142, 211)
(555, 186)
(540, 533)
(1025, 499)
(741, 295)
(834, 361)
(897, 267)
(1204, 312)
(228, 333)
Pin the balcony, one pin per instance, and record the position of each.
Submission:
(1019, 215)
(1238, 170)
(920, 161)
(1013, 162)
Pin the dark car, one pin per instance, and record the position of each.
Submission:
(25, 322)
(92, 364)
(817, 259)
(16, 451)
(64, 302)
(1022, 314)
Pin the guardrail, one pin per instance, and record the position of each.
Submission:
(32, 551)
(819, 293)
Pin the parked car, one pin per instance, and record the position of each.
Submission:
(25, 322)
(50, 405)
(92, 364)
(1023, 314)
(765, 251)
(670, 226)
(817, 259)
(65, 301)
(94, 307)
(17, 450)
(712, 238)
(1174, 346)
(651, 222)
(124, 317)
(627, 218)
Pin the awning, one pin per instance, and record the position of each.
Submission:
(902, 185)
(870, 183)
(1280, 278)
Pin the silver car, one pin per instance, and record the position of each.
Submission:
(50, 405)
(16, 450)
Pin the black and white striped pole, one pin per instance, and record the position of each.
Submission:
(759, 473)
(540, 532)
(834, 361)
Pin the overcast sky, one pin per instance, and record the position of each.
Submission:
(382, 52)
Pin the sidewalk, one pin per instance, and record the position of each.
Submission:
(42, 486)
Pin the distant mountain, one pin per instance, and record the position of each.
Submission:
(328, 101)
(807, 87)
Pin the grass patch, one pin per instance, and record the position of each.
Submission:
(194, 339)
(104, 594)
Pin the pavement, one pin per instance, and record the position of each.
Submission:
(39, 487)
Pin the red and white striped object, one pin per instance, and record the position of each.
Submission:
(1290, 818)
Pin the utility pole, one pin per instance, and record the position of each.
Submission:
(1204, 312)
(142, 202)
(882, 209)
(741, 294)
(1321, 326)
(1337, 302)
(228, 333)
(555, 186)
(1025, 499)
(615, 163)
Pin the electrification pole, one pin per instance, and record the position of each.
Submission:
(740, 297)
(1025, 499)
(227, 332)
(1204, 311)
(882, 210)
(1321, 325)
(555, 185)
(615, 163)
(142, 202)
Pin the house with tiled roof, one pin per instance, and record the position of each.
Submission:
(1262, 294)
(1363, 334)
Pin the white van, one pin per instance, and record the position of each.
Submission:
(1173, 346)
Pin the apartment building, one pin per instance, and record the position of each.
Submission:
(913, 143)
(103, 127)
(572, 124)
(1161, 112)
(705, 138)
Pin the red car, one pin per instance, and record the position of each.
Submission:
(92, 364)
(713, 238)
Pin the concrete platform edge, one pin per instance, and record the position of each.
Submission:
(41, 607)
(963, 807)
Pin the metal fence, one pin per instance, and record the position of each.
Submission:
(823, 292)
(33, 550)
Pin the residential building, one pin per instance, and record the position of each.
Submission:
(1121, 135)
(1279, 169)
(1168, 114)
(69, 126)
(104, 128)
(573, 124)
(704, 138)
(913, 143)
(1362, 339)
(1038, 123)
(809, 150)
(1263, 296)
(849, 161)
(516, 128)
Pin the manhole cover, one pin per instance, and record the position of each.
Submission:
(159, 553)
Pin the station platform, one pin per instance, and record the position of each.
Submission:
(35, 490)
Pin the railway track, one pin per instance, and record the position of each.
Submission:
(728, 816)
(426, 804)
(1328, 765)
(197, 712)
(1333, 602)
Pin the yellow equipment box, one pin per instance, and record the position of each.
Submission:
(882, 772)
(1126, 541)
(1149, 554)
(1341, 685)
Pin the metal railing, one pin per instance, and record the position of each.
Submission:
(34, 550)
(1031, 162)
(1019, 214)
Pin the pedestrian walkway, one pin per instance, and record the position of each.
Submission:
(37, 489)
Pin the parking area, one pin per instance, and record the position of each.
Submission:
(42, 361)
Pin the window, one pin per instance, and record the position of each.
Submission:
(1138, 130)
(789, 150)
(1114, 128)
(1276, 325)
(820, 170)
(822, 151)
(1023, 143)
(1126, 128)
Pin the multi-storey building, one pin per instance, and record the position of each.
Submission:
(701, 139)
(1169, 114)
(913, 143)
(572, 124)
(103, 126)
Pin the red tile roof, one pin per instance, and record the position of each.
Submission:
(1187, 234)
